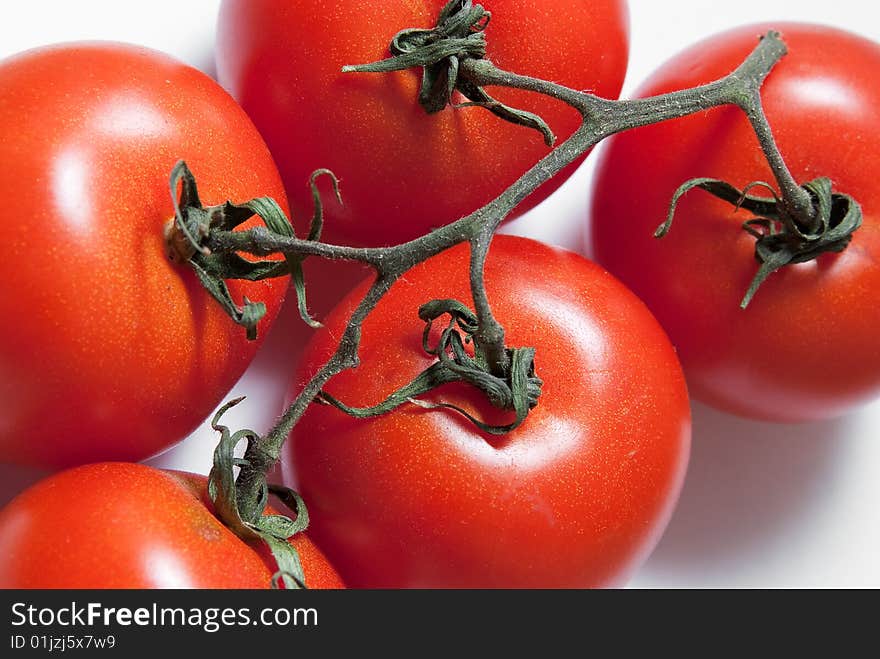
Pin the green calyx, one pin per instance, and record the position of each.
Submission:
(252, 524)
(517, 389)
(458, 35)
(187, 234)
(780, 239)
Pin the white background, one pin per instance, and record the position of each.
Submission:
(764, 505)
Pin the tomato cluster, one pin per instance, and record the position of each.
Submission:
(112, 351)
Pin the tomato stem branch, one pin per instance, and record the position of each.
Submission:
(490, 333)
(601, 118)
(252, 477)
(797, 201)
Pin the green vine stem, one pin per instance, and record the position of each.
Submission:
(470, 71)
(601, 118)
(796, 200)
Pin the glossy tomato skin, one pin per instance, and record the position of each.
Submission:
(575, 497)
(125, 525)
(805, 348)
(109, 350)
(404, 172)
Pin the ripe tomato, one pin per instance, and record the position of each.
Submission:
(125, 525)
(109, 351)
(404, 172)
(806, 346)
(576, 496)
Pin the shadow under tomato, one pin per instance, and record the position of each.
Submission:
(326, 283)
(750, 485)
(14, 479)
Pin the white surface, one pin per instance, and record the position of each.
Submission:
(764, 505)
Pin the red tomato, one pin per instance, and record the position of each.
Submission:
(125, 525)
(403, 171)
(576, 496)
(109, 351)
(806, 346)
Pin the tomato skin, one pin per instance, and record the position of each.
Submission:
(110, 351)
(125, 525)
(575, 497)
(805, 348)
(403, 171)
